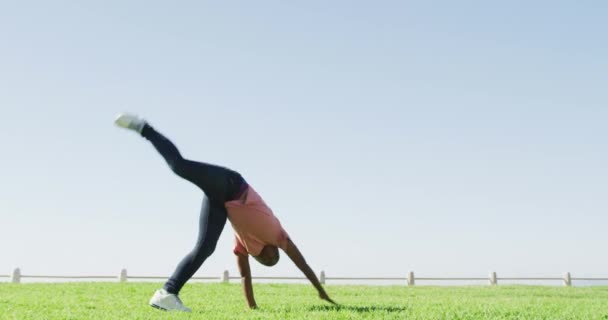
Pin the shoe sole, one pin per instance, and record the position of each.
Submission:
(157, 307)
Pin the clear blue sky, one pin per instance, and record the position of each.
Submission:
(445, 137)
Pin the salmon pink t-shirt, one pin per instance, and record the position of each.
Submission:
(255, 226)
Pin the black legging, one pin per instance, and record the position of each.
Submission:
(219, 185)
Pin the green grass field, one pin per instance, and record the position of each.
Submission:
(282, 301)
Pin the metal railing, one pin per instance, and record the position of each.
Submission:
(410, 279)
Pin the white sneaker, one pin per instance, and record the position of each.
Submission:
(164, 300)
(129, 121)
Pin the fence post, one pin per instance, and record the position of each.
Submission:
(567, 279)
(16, 276)
(322, 277)
(225, 277)
(122, 277)
(493, 279)
(411, 280)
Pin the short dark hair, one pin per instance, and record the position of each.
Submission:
(269, 256)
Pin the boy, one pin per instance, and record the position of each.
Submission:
(227, 196)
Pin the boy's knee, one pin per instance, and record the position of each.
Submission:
(177, 165)
(204, 252)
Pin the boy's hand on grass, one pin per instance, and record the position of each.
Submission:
(323, 295)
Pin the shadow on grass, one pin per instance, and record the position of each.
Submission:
(359, 309)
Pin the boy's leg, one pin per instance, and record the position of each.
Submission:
(219, 183)
(212, 220)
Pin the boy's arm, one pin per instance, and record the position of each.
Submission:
(296, 256)
(244, 269)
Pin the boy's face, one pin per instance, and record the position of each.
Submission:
(269, 256)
